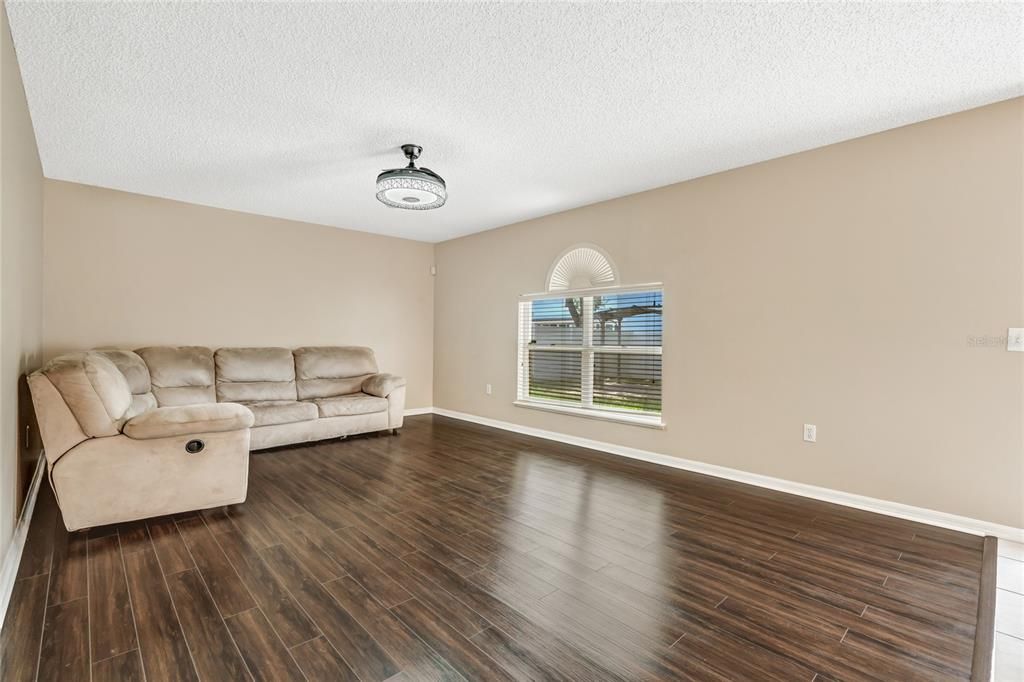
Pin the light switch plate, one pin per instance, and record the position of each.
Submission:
(1015, 339)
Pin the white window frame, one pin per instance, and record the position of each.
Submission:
(588, 350)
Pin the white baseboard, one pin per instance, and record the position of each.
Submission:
(412, 412)
(12, 558)
(871, 504)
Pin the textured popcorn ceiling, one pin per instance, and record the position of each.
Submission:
(291, 110)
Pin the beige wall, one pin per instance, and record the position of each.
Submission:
(128, 270)
(837, 287)
(21, 227)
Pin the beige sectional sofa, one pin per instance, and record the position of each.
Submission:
(130, 435)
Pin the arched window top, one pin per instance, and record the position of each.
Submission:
(582, 267)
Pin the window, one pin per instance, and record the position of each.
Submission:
(593, 352)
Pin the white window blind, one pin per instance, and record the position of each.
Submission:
(600, 350)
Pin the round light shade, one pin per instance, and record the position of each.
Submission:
(419, 189)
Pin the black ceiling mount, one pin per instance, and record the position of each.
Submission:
(412, 152)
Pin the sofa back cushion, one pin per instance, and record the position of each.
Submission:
(94, 389)
(247, 374)
(325, 371)
(181, 375)
(137, 374)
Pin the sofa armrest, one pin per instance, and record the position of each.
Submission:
(381, 385)
(186, 420)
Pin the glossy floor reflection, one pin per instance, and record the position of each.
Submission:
(457, 551)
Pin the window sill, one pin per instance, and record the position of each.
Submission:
(647, 421)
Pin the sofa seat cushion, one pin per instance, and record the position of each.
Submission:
(355, 403)
(186, 420)
(269, 412)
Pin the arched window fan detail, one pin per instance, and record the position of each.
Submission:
(582, 267)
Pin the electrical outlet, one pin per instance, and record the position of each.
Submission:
(487, 389)
(810, 433)
(1015, 339)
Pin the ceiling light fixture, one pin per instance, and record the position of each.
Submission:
(415, 188)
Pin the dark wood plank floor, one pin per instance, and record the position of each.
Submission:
(456, 551)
